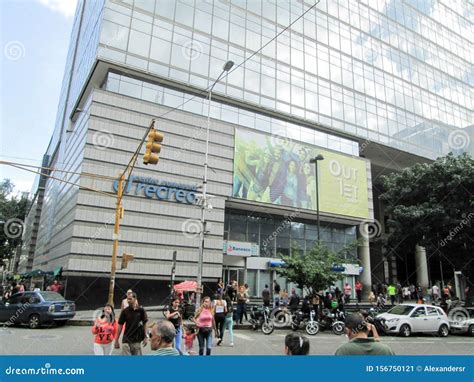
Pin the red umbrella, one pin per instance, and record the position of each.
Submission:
(186, 286)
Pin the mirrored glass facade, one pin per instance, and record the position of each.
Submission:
(376, 70)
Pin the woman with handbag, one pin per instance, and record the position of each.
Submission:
(205, 323)
(173, 314)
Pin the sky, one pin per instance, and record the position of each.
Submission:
(35, 37)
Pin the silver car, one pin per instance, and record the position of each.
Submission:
(462, 321)
(405, 319)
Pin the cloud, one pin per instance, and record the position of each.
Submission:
(64, 7)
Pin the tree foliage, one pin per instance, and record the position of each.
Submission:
(313, 270)
(432, 205)
(12, 216)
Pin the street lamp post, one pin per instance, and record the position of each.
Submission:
(227, 66)
(315, 162)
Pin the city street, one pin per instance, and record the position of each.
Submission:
(78, 340)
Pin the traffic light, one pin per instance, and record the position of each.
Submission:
(153, 147)
(126, 258)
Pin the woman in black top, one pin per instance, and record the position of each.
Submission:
(173, 314)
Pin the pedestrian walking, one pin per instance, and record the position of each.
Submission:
(105, 331)
(359, 287)
(241, 301)
(246, 287)
(357, 331)
(372, 299)
(381, 301)
(124, 303)
(134, 318)
(174, 315)
(219, 306)
(392, 291)
(406, 293)
(435, 292)
(205, 322)
(276, 294)
(229, 319)
(189, 336)
(347, 293)
(296, 344)
(161, 339)
(266, 296)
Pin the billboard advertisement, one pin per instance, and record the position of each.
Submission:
(276, 170)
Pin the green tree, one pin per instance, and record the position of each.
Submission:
(433, 205)
(12, 217)
(312, 270)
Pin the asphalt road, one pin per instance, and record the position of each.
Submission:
(78, 340)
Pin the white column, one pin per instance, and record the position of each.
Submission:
(421, 267)
(366, 276)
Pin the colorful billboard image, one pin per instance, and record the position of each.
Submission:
(277, 171)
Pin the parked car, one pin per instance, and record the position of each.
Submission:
(37, 308)
(462, 321)
(405, 319)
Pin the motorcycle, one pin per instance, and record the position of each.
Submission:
(378, 322)
(333, 321)
(260, 318)
(307, 319)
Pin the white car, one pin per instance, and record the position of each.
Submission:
(405, 319)
(462, 321)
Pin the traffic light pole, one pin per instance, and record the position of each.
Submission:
(119, 210)
(118, 214)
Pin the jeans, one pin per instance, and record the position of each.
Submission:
(178, 337)
(240, 312)
(276, 301)
(220, 321)
(229, 324)
(359, 295)
(205, 341)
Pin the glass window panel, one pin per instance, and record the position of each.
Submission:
(265, 279)
(160, 50)
(237, 35)
(114, 35)
(165, 9)
(184, 13)
(203, 21)
(220, 28)
(139, 43)
(252, 282)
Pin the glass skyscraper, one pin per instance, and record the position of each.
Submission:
(388, 81)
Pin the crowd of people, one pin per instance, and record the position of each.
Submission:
(26, 285)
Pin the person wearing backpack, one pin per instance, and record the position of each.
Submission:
(135, 318)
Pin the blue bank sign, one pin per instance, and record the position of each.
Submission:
(160, 189)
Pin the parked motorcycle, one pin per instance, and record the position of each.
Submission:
(378, 322)
(308, 320)
(333, 321)
(260, 318)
